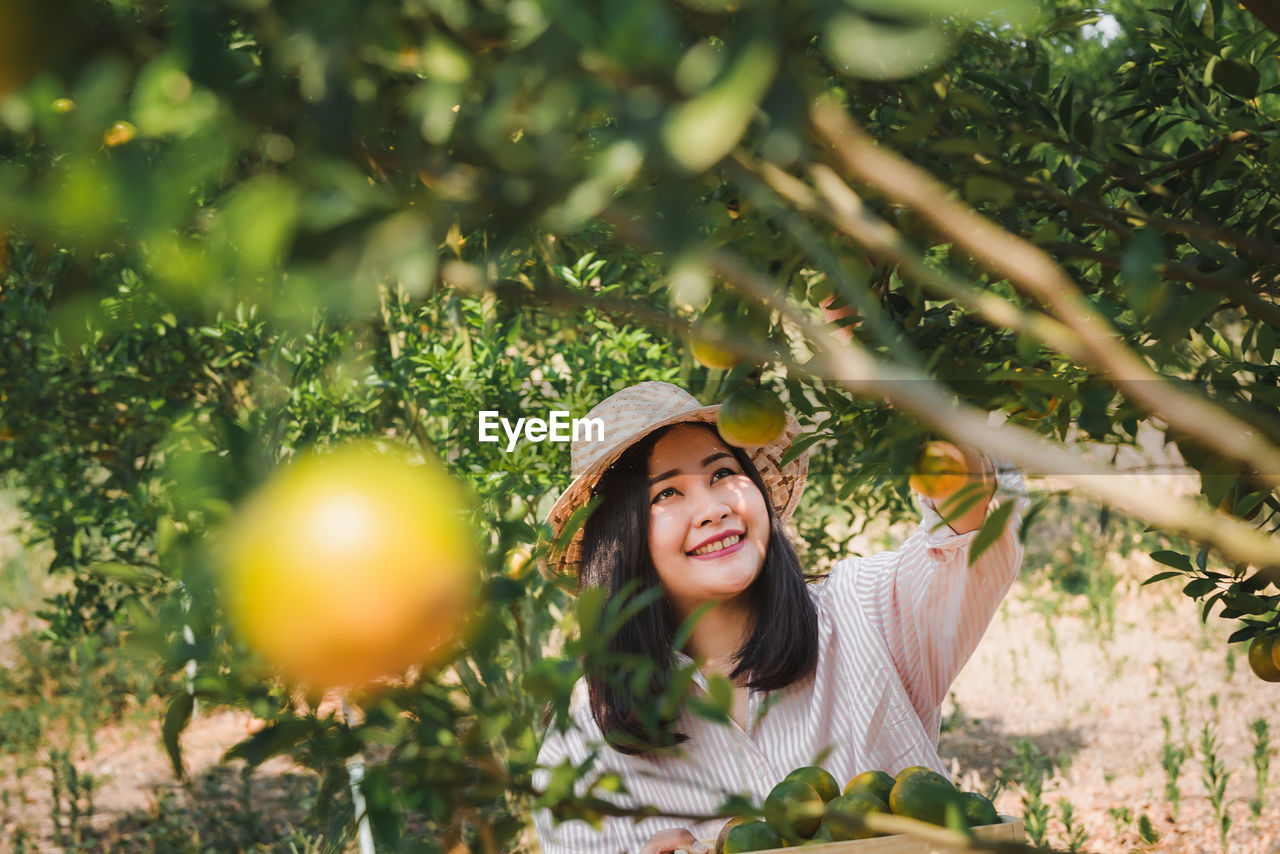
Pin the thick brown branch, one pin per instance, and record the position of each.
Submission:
(1035, 273)
(1266, 11)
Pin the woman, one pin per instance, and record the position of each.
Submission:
(849, 672)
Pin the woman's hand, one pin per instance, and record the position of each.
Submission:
(980, 470)
(666, 841)
(834, 311)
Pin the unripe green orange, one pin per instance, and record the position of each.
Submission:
(750, 417)
(710, 354)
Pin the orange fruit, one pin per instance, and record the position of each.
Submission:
(925, 797)
(978, 810)
(350, 566)
(750, 835)
(517, 562)
(853, 805)
(750, 417)
(710, 354)
(818, 777)
(119, 134)
(877, 783)
(1264, 658)
(939, 471)
(794, 808)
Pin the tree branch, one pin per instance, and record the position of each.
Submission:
(1035, 273)
(1265, 11)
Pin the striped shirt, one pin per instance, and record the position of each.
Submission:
(894, 630)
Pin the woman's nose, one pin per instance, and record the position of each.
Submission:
(711, 508)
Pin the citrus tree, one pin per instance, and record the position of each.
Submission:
(237, 232)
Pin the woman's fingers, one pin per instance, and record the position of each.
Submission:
(667, 841)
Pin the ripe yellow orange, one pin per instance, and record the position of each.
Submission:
(939, 470)
(517, 562)
(1264, 658)
(750, 417)
(350, 566)
(710, 354)
(119, 134)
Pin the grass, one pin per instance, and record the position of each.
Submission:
(1262, 752)
(1215, 777)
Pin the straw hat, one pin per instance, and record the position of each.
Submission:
(635, 412)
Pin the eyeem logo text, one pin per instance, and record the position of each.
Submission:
(559, 427)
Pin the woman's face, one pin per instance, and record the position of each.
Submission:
(708, 523)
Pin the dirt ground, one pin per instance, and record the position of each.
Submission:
(1098, 702)
(1086, 685)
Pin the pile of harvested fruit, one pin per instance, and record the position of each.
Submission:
(807, 807)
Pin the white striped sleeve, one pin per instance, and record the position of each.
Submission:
(575, 745)
(930, 606)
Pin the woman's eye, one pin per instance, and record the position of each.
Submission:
(720, 472)
(663, 494)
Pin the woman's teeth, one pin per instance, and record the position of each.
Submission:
(718, 545)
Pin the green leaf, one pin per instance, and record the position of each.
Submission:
(1177, 560)
(1160, 576)
(1247, 632)
(1248, 603)
(699, 132)
(270, 741)
(992, 527)
(800, 445)
(176, 718)
(118, 571)
(877, 51)
(982, 188)
(1199, 587)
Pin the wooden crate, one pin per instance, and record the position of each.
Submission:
(1009, 830)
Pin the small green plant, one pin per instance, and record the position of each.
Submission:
(1122, 817)
(1146, 832)
(1215, 777)
(72, 800)
(1029, 769)
(1172, 757)
(1074, 835)
(1261, 764)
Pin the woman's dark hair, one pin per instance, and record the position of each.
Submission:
(782, 649)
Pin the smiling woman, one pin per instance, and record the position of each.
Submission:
(851, 669)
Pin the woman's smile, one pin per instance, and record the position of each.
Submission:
(719, 546)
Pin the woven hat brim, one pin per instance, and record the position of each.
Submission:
(783, 484)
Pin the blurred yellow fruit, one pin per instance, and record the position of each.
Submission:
(350, 566)
(517, 562)
(63, 105)
(119, 134)
(939, 470)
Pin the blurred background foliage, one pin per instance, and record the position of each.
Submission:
(235, 230)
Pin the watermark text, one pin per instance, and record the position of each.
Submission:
(557, 427)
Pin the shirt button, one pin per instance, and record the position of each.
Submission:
(759, 772)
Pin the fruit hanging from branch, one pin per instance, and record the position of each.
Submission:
(750, 417)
